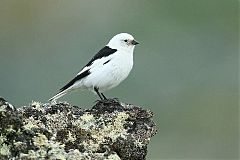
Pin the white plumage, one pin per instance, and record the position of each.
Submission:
(109, 67)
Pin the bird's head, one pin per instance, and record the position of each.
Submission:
(122, 41)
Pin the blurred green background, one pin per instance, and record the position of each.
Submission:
(185, 71)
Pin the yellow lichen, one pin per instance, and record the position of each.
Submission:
(57, 151)
(113, 157)
(119, 121)
(117, 129)
(3, 109)
(56, 121)
(139, 143)
(91, 145)
(39, 154)
(85, 122)
(10, 129)
(112, 130)
(17, 144)
(52, 150)
(4, 150)
(37, 105)
(87, 117)
(40, 140)
(71, 138)
(30, 123)
(2, 139)
(74, 155)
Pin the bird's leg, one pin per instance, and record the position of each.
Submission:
(115, 100)
(104, 96)
(96, 90)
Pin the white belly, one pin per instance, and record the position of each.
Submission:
(109, 75)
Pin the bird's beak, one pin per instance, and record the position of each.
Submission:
(134, 42)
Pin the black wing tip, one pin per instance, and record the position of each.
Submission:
(74, 80)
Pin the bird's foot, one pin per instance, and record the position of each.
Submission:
(115, 100)
(108, 105)
(108, 101)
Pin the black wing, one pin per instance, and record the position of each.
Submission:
(78, 77)
(104, 52)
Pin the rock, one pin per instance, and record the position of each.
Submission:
(110, 130)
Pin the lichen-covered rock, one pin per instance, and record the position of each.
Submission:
(110, 130)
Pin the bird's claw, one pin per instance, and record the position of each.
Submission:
(109, 100)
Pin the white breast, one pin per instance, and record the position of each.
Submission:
(109, 75)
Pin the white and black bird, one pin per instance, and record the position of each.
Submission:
(109, 67)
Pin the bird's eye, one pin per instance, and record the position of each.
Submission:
(125, 40)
